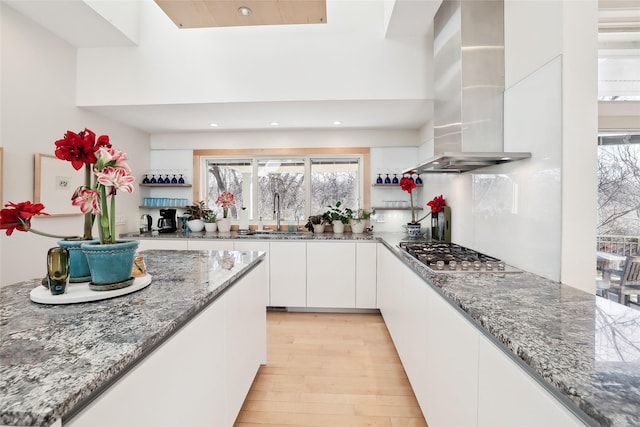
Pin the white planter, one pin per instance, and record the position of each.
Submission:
(195, 225)
(210, 227)
(318, 228)
(338, 227)
(224, 225)
(357, 227)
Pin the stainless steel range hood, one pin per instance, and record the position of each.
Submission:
(468, 87)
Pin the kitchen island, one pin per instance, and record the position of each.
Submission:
(199, 329)
(581, 349)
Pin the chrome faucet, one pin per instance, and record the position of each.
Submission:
(276, 210)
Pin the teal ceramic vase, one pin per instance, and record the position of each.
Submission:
(110, 264)
(78, 267)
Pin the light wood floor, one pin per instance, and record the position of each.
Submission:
(327, 369)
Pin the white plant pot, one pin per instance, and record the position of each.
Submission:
(338, 227)
(195, 225)
(224, 225)
(357, 227)
(210, 227)
(318, 228)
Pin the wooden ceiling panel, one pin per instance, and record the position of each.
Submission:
(224, 13)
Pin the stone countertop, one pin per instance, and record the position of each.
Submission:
(584, 348)
(234, 235)
(54, 357)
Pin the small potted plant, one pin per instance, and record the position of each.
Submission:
(360, 220)
(340, 217)
(317, 223)
(196, 212)
(210, 218)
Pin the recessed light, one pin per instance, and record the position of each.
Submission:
(274, 123)
(244, 11)
(213, 125)
(337, 123)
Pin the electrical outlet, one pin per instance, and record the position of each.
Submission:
(121, 220)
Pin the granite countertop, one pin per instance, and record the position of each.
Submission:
(584, 348)
(233, 235)
(53, 357)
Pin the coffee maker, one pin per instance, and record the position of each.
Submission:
(167, 221)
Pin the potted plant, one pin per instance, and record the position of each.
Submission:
(196, 212)
(413, 228)
(360, 219)
(210, 218)
(340, 217)
(226, 200)
(317, 223)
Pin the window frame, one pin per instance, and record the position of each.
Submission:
(201, 157)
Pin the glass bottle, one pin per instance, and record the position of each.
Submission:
(57, 269)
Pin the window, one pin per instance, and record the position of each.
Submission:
(334, 180)
(305, 184)
(233, 176)
(285, 178)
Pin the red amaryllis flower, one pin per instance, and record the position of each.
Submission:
(407, 184)
(437, 204)
(80, 148)
(17, 216)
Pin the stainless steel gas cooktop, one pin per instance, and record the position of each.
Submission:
(452, 258)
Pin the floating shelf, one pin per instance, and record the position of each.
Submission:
(394, 209)
(164, 185)
(391, 185)
(160, 207)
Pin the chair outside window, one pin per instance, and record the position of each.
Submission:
(629, 287)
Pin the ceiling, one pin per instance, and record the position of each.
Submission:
(619, 40)
(214, 13)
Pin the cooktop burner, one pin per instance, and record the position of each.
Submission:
(452, 258)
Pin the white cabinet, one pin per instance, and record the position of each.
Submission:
(460, 377)
(174, 244)
(366, 272)
(210, 245)
(288, 264)
(331, 274)
(200, 376)
(451, 366)
(252, 245)
(509, 396)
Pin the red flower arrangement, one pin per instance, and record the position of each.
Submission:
(17, 216)
(437, 204)
(80, 149)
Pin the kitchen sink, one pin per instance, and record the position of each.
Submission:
(274, 233)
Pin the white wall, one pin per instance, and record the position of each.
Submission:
(338, 60)
(538, 214)
(38, 107)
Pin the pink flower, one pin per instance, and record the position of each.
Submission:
(437, 204)
(118, 178)
(109, 156)
(226, 200)
(87, 200)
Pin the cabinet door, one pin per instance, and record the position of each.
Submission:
(246, 338)
(451, 366)
(509, 396)
(252, 245)
(390, 271)
(210, 245)
(174, 244)
(331, 274)
(366, 280)
(288, 268)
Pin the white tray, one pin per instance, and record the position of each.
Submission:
(80, 292)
